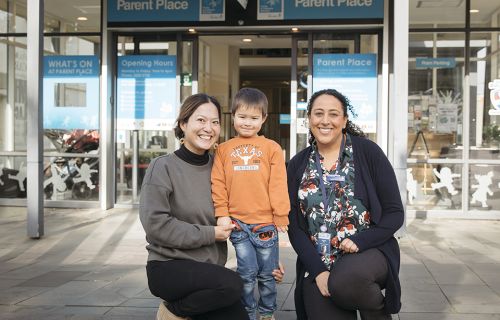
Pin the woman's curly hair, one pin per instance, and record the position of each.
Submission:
(350, 128)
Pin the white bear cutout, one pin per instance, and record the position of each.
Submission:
(483, 188)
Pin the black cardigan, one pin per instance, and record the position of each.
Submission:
(377, 188)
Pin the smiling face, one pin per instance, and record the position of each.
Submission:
(248, 121)
(326, 120)
(202, 129)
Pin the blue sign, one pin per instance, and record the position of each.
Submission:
(435, 63)
(165, 10)
(146, 92)
(71, 92)
(355, 76)
(285, 118)
(322, 9)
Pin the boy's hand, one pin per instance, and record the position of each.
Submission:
(224, 221)
(282, 228)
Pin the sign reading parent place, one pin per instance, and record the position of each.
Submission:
(71, 92)
(146, 95)
(165, 10)
(319, 9)
(353, 75)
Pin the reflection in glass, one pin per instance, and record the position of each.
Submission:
(485, 96)
(435, 99)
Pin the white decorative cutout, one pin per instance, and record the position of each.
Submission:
(446, 180)
(484, 182)
(20, 176)
(85, 173)
(57, 179)
(411, 186)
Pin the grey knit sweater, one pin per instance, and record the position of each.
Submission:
(177, 212)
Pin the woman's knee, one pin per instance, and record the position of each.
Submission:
(232, 285)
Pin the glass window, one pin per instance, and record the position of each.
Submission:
(73, 16)
(71, 132)
(484, 14)
(13, 16)
(434, 186)
(485, 96)
(436, 72)
(437, 14)
(13, 94)
(12, 177)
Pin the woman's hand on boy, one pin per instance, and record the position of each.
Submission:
(223, 232)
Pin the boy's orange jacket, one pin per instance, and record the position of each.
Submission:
(249, 181)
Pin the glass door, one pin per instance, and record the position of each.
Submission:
(153, 74)
(345, 62)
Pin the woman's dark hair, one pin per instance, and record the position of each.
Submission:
(189, 106)
(350, 127)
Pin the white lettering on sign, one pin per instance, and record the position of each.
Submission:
(314, 3)
(355, 3)
(172, 5)
(63, 64)
(124, 5)
(331, 3)
(345, 62)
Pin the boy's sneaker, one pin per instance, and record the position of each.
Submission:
(267, 317)
(165, 314)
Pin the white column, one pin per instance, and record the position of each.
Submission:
(398, 108)
(34, 119)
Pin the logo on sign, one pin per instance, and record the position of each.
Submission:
(494, 86)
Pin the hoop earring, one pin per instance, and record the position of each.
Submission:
(216, 145)
(181, 140)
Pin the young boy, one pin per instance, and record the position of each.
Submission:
(249, 189)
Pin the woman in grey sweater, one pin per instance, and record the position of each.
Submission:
(187, 251)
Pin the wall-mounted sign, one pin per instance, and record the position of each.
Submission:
(494, 87)
(435, 63)
(165, 10)
(322, 9)
(71, 92)
(355, 76)
(146, 95)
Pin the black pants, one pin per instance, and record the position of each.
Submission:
(355, 283)
(197, 290)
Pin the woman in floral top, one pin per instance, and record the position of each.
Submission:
(345, 209)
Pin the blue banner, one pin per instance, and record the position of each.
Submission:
(319, 9)
(435, 63)
(146, 92)
(165, 10)
(71, 92)
(355, 76)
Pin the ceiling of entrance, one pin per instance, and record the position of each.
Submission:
(421, 11)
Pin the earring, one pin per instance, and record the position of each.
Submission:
(181, 140)
(216, 145)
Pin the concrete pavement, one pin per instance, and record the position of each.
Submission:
(90, 265)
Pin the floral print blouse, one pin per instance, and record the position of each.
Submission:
(346, 215)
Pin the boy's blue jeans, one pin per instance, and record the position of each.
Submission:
(257, 258)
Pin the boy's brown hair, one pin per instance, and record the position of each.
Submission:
(250, 98)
